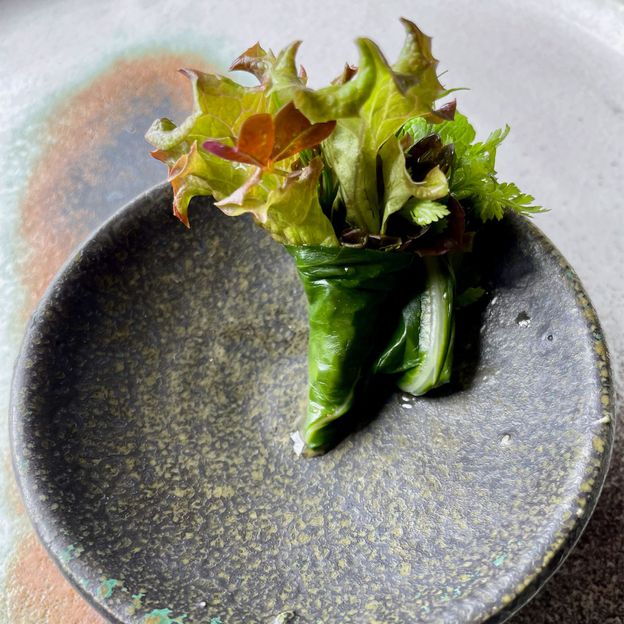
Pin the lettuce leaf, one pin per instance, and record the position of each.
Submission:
(196, 174)
(265, 140)
(370, 109)
(220, 106)
(292, 213)
(346, 96)
(228, 146)
(241, 144)
(278, 75)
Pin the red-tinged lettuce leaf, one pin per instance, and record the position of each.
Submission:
(347, 74)
(256, 138)
(229, 153)
(255, 60)
(446, 112)
(198, 173)
(220, 108)
(294, 132)
(246, 131)
(290, 125)
(241, 141)
(254, 144)
(303, 75)
(265, 140)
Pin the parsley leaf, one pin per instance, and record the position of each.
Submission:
(473, 176)
(424, 211)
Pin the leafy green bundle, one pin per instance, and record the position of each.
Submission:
(368, 185)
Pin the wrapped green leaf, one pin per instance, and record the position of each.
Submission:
(348, 293)
(370, 184)
(421, 349)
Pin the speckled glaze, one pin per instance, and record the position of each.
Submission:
(153, 402)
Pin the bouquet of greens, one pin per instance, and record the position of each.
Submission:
(371, 189)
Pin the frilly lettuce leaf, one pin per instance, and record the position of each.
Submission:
(254, 60)
(199, 173)
(291, 211)
(251, 147)
(265, 140)
(347, 95)
(416, 62)
(371, 108)
(234, 122)
(220, 106)
(278, 75)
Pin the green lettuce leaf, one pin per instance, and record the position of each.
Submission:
(386, 98)
(199, 173)
(285, 79)
(220, 106)
(415, 61)
(346, 96)
(292, 213)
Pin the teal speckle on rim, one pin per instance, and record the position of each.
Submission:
(152, 408)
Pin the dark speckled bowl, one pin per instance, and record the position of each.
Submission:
(152, 406)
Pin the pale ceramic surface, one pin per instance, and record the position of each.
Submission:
(555, 70)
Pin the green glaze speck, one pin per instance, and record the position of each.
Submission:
(157, 389)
